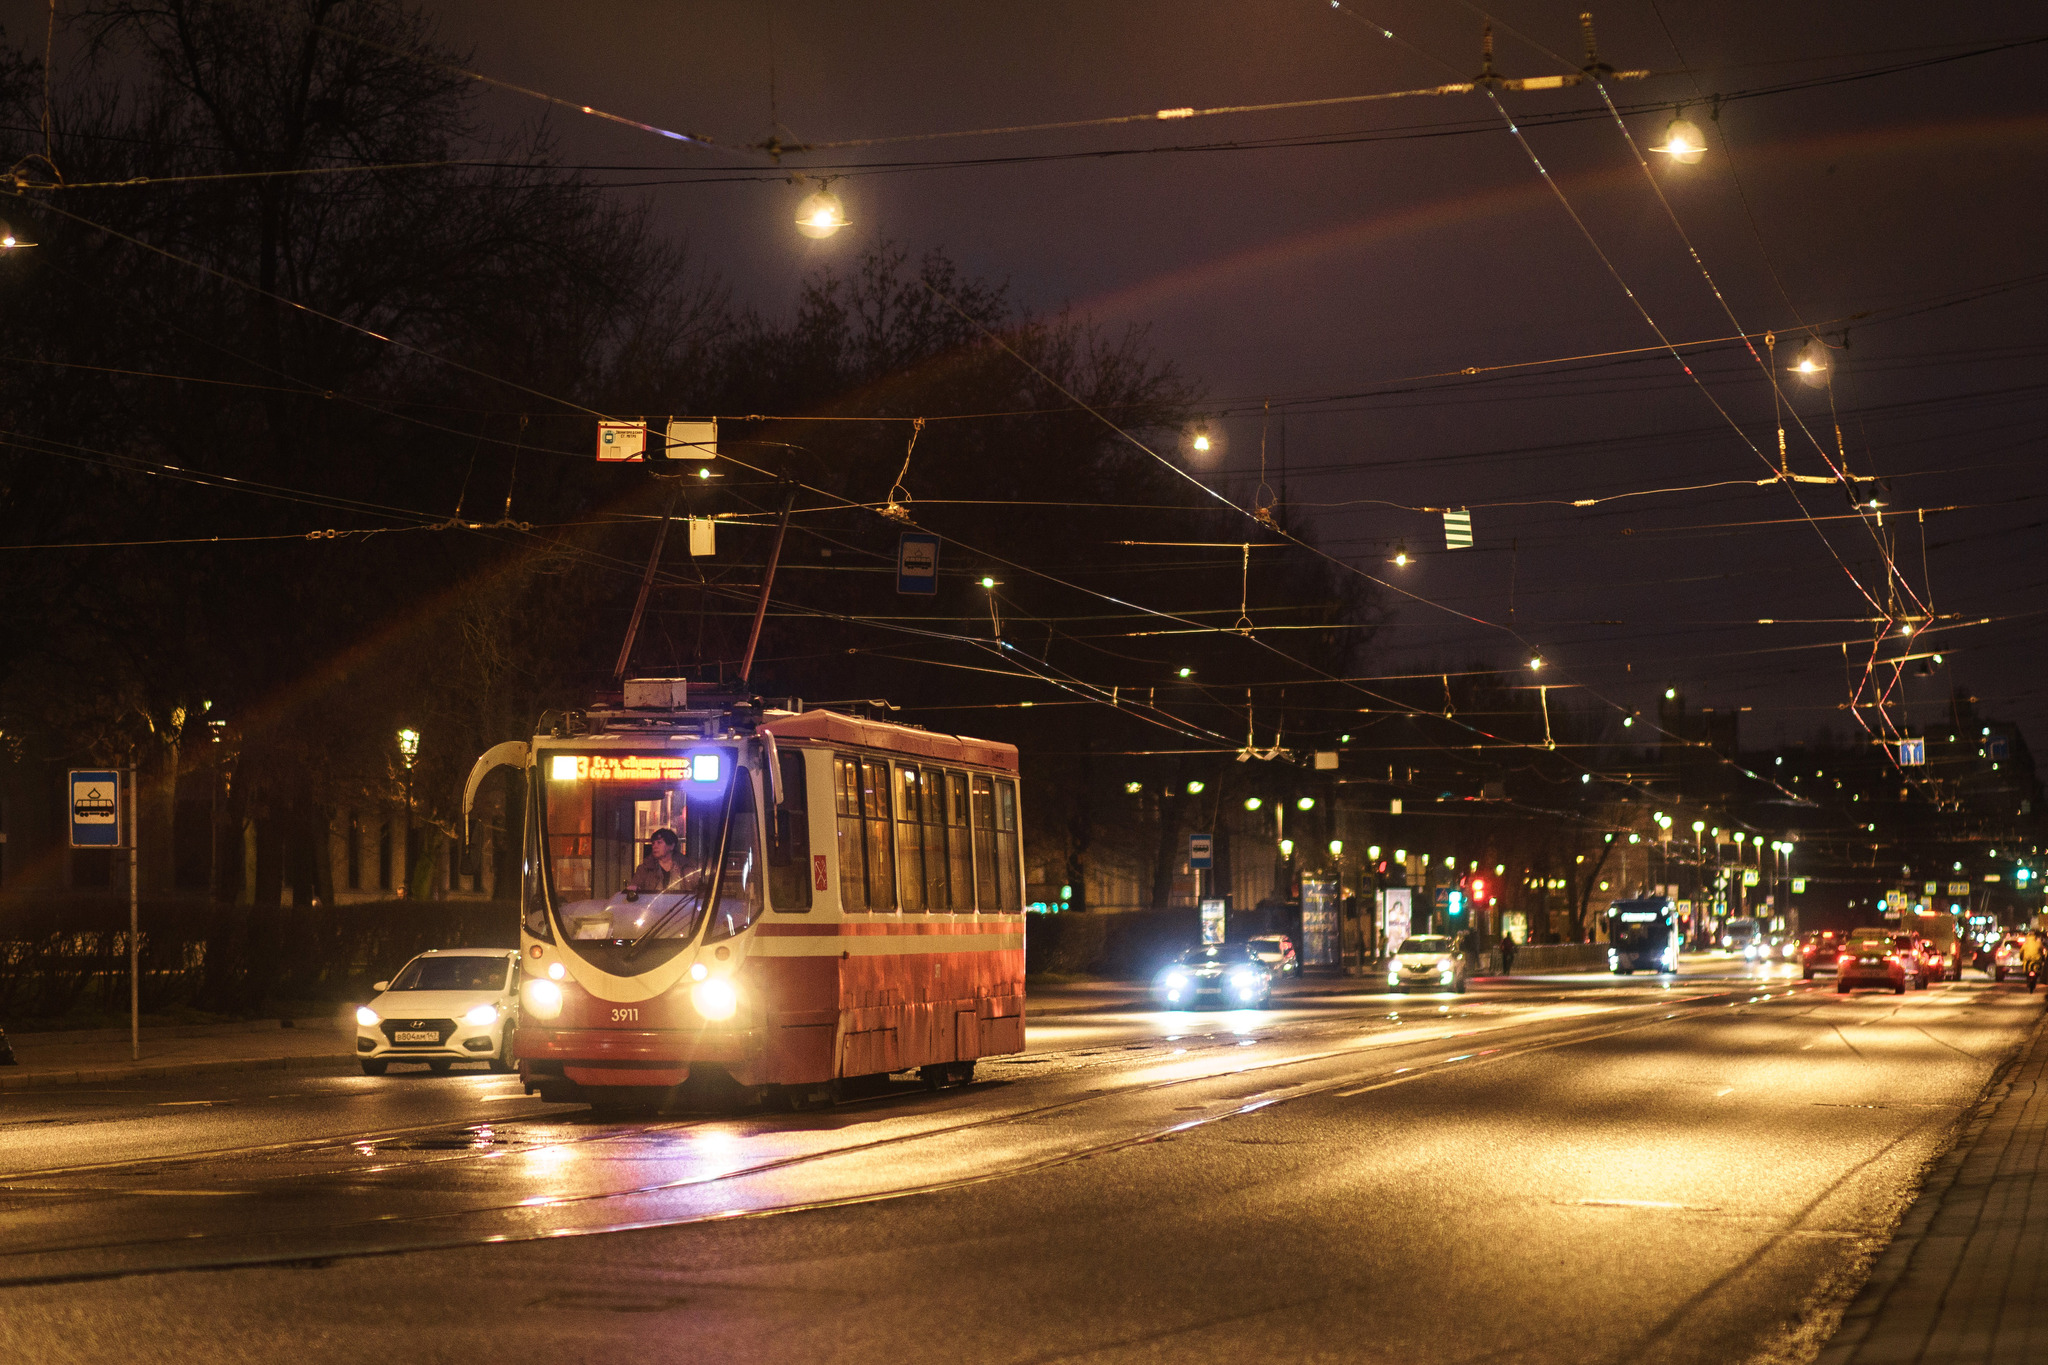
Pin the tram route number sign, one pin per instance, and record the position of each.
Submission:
(95, 808)
(917, 564)
(1201, 851)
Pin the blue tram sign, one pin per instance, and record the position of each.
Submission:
(917, 564)
(95, 808)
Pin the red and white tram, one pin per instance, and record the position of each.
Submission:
(722, 894)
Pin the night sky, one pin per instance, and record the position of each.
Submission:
(1346, 278)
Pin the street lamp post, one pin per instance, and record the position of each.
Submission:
(408, 749)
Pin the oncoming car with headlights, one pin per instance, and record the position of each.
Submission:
(1429, 962)
(1232, 977)
(445, 1006)
(754, 901)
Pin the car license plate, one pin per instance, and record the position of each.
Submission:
(407, 1035)
(1870, 961)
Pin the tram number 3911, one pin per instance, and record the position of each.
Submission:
(626, 1016)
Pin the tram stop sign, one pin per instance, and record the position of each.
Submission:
(1201, 851)
(917, 563)
(95, 808)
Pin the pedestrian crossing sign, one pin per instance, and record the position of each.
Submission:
(1458, 530)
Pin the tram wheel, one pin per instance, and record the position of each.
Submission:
(963, 1073)
(934, 1077)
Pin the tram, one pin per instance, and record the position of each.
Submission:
(1642, 935)
(751, 900)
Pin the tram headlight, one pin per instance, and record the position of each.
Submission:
(367, 1017)
(715, 999)
(543, 999)
(481, 1016)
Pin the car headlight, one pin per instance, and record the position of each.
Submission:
(1444, 964)
(1174, 981)
(543, 999)
(367, 1017)
(715, 999)
(481, 1016)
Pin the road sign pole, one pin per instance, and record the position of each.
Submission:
(134, 916)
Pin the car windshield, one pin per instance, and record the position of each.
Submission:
(1202, 957)
(1265, 945)
(632, 839)
(452, 974)
(1426, 943)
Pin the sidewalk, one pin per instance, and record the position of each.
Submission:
(1965, 1278)
(92, 1056)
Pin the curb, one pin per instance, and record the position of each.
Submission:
(44, 1080)
(1892, 1263)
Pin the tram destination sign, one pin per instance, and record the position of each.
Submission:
(697, 767)
(95, 808)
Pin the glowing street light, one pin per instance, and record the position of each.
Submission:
(1401, 554)
(1187, 673)
(820, 214)
(1305, 803)
(1201, 442)
(1812, 364)
(1195, 788)
(1252, 803)
(1683, 142)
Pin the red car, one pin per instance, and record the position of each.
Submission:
(1818, 952)
(1880, 958)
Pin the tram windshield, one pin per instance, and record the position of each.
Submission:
(632, 851)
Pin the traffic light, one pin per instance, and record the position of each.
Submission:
(1478, 889)
(1456, 905)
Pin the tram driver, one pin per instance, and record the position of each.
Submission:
(664, 869)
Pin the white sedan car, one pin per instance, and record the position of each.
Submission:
(445, 1006)
(1428, 962)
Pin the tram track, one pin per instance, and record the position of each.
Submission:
(333, 1235)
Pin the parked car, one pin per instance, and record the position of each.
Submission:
(1432, 962)
(1880, 958)
(1277, 952)
(1216, 975)
(1820, 951)
(445, 1006)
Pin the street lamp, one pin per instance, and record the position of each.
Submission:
(1195, 788)
(1683, 142)
(408, 749)
(1812, 364)
(1305, 803)
(1252, 803)
(820, 214)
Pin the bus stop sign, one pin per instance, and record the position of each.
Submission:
(95, 808)
(1201, 851)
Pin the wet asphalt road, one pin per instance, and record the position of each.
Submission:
(1567, 1169)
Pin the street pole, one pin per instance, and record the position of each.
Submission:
(134, 913)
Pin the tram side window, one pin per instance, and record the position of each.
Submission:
(853, 886)
(933, 783)
(985, 842)
(1009, 894)
(789, 844)
(874, 797)
(959, 851)
(910, 836)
